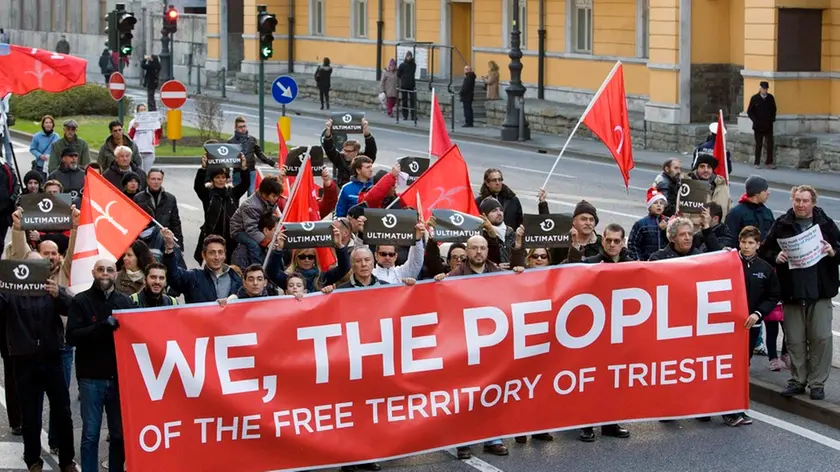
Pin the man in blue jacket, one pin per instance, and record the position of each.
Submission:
(751, 209)
(208, 284)
(362, 168)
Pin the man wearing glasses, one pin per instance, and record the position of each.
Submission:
(251, 149)
(90, 328)
(341, 160)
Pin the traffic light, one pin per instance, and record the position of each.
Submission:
(111, 31)
(125, 25)
(170, 20)
(266, 23)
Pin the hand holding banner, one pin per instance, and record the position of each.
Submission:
(348, 122)
(222, 155)
(693, 196)
(547, 231)
(390, 227)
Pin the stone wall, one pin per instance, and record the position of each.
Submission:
(716, 87)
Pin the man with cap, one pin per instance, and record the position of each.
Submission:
(704, 169)
(71, 176)
(70, 139)
(585, 241)
(751, 209)
(762, 112)
(500, 237)
(709, 146)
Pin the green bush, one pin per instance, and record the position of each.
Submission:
(89, 99)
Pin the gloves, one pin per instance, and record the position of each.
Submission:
(113, 322)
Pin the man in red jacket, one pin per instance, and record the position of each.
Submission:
(384, 189)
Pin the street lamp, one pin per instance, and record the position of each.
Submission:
(515, 90)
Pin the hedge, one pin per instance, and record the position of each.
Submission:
(89, 99)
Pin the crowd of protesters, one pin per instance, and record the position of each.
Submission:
(39, 334)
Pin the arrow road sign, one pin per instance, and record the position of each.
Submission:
(284, 90)
(116, 86)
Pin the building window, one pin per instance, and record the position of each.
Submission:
(359, 17)
(316, 17)
(643, 28)
(523, 22)
(582, 26)
(407, 21)
(799, 40)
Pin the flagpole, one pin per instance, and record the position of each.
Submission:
(580, 120)
(292, 195)
(431, 123)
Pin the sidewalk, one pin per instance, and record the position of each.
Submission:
(765, 386)
(545, 144)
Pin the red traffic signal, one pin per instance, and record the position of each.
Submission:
(170, 20)
(172, 14)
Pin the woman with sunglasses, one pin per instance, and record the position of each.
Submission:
(305, 261)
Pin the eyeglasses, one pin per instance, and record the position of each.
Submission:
(497, 179)
(458, 258)
(349, 150)
(306, 257)
(539, 256)
(387, 254)
(102, 270)
(613, 242)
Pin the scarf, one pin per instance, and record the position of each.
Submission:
(311, 276)
(501, 230)
(135, 275)
(240, 136)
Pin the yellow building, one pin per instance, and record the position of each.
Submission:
(683, 59)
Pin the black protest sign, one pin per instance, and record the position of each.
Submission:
(547, 231)
(296, 156)
(309, 234)
(413, 167)
(24, 278)
(347, 123)
(693, 196)
(390, 227)
(45, 212)
(222, 155)
(455, 227)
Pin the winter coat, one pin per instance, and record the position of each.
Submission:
(142, 299)
(115, 175)
(89, 331)
(668, 186)
(197, 285)
(646, 237)
(79, 144)
(348, 196)
(747, 213)
(125, 285)
(341, 166)
(246, 218)
(73, 181)
(219, 205)
(106, 153)
(762, 112)
(40, 148)
(465, 269)
(106, 65)
(709, 146)
(251, 149)
(322, 77)
(31, 325)
(9, 192)
(724, 236)
(817, 282)
(623, 256)
(467, 92)
(510, 204)
(242, 257)
(491, 82)
(498, 250)
(165, 207)
(406, 73)
(151, 74)
(762, 285)
(353, 283)
(389, 83)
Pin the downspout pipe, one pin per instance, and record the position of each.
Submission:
(380, 29)
(541, 51)
(291, 41)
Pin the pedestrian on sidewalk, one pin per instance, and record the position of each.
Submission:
(389, 85)
(467, 94)
(322, 78)
(62, 47)
(406, 73)
(106, 65)
(762, 112)
(151, 78)
(491, 81)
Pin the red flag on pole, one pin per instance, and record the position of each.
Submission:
(720, 149)
(439, 141)
(607, 118)
(445, 185)
(284, 151)
(24, 69)
(116, 218)
(304, 206)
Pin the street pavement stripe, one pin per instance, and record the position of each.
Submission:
(44, 440)
(535, 171)
(474, 462)
(415, 151)
(188, 207)
(798, 430)
(11, 457)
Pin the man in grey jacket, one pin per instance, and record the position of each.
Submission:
(245, 222)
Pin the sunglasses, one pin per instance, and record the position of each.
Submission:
(539, 256)
(459, 258)
(497, 179)
(388, 254)
(306, 257)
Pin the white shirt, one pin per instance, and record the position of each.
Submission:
(410, 270)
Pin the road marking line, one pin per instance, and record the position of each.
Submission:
(474, 462)
(415, 151)
(535, 171)
(188, 207)
(522, 195)
(798, 430)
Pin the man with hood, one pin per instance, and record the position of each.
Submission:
(33, 182)
(70, 139)
(121, 166)
(704, 169)
(494, 186)
(751, 209)
(250, 148)
(107, 153)
(41, 145)
(709, 146)
(72, 177)
(406, 72)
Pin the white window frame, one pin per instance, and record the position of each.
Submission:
(402, 34)
(359, 23)
(643, 28)
(317, 22)
(507, 16)
(575, 7)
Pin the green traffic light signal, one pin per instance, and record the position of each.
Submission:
(267, 52)
(126, 50)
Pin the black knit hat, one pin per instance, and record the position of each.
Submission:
(584, 207)
(33, 175)
(489, 204)
(129, 176)
(705, 157)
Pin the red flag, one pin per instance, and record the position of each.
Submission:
(304, 206)
(446, 185)
(284, 151)
(439, 141)
(720, 149)
(24, 69)
(116, 218)
(608, 119)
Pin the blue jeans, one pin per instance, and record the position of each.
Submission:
(98, 395)
(67, 365)
(254, 249)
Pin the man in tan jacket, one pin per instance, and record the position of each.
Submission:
(705, 165)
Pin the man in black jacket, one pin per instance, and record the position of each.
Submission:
(668, 184)
(70, 175)
(163, 204)
(408, 98)
(154, 292)
(806, 292)
(762, 112)
(467, 93)
(250, 148)
(35, 337)
(9, 191)
(90, 328)
(341, 160)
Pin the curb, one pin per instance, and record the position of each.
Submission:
(819, 411)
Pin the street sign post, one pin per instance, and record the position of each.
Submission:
(284, 89)
(173, 95)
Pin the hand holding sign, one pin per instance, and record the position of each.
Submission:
(349, 123)
(827, 249)
(223, 155)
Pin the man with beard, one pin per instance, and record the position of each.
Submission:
(495, 187)
(153, 295)
(251, 149)
(499, 235)
(704, 169)
(91, 329)
(72, 178)
(668, 184)
(70, 139)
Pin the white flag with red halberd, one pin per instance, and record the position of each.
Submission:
(85, 250)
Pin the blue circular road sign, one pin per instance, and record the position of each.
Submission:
(284, 90)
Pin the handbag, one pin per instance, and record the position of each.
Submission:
(778, 314)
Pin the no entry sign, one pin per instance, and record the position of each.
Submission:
(116, 86)
(173, 94)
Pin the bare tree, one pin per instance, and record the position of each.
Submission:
(209, 117)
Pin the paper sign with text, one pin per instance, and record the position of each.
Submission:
(378, 373)
(805, 249)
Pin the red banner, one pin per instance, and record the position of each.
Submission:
(373, 374)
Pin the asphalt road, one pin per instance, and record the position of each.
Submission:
(780, 443)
